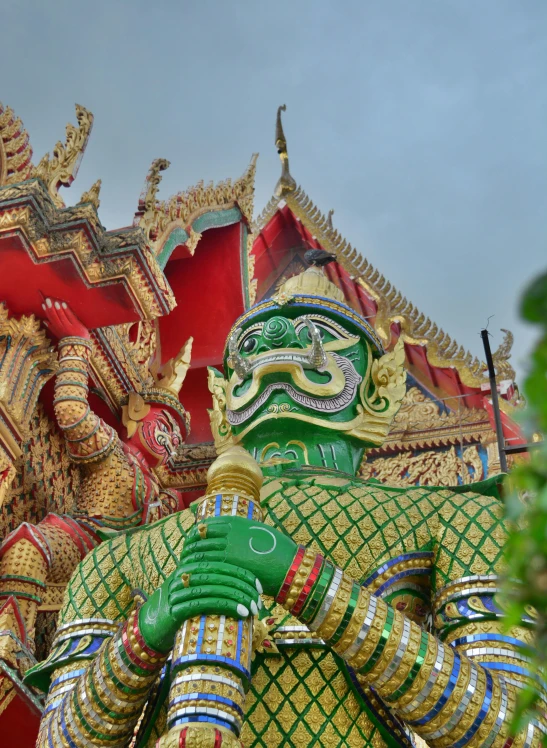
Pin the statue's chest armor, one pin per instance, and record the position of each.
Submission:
(358, 526)
(301, 697)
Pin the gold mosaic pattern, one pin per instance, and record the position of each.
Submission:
(302, 699)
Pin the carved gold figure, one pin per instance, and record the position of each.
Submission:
(118, 488)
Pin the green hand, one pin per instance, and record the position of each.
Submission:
(212, 589)
(259, 548)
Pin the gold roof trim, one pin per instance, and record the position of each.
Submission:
(416, 328)
(159, 218)
(15, 148)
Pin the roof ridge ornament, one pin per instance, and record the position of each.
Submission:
(286, 182)
(92, 195)
(15, 149)
(61, 168)
(146, 211)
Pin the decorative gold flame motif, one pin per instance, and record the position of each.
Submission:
(61, 168)
(92, 195)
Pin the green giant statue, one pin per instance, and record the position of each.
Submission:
(297, 605)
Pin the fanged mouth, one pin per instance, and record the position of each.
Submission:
(325, 404)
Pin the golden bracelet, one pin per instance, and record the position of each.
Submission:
(439, 686)
(390, 648)
(408, 659)
(337, 609)
(451, 705)
(362, 656)
(423, 676)
(356, 621)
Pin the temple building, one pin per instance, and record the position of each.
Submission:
(143, 292)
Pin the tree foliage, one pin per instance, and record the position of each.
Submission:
(527, 507)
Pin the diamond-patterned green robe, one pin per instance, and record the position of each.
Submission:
(303, 694)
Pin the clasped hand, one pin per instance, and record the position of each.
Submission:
(226, 563)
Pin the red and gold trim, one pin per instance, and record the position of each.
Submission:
(285, 587)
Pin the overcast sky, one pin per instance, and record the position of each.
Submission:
(421, 122)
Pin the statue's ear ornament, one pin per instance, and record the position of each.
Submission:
(382, 391)
(222, 431)
(135, 410)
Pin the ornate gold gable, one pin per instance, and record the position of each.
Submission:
(431, 445)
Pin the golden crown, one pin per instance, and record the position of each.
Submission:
(312, 282)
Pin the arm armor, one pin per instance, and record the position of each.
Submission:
(444, 695)
(99, 701)
(90, 441)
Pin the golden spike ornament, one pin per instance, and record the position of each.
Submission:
(286, 182)
(172, 374)
(61, 168)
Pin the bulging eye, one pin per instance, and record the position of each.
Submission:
(249, 344)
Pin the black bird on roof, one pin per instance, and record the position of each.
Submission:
(318, 257)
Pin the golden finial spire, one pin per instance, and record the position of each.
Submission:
(286, 182)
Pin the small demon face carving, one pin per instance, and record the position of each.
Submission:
(159, 436)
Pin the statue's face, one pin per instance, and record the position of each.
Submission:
(293, 364)
(158, 435)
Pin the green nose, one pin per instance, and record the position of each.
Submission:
(279, 332)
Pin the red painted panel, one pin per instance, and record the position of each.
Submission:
(21, 280)
(19, 725)
(209, 292)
